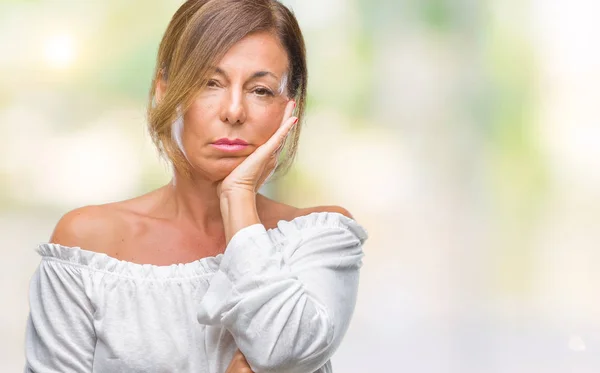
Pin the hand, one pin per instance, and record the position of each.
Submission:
(238, 364)
(249, 175)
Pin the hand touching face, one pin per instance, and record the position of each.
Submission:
(248, 176)
(245, 100)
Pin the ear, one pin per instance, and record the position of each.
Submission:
(161, 88)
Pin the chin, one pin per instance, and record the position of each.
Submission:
(219, 169)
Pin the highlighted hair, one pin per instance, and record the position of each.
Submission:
(197, 37)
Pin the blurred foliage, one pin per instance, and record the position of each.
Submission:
(434, 107)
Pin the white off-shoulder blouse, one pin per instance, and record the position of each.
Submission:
(283, 296)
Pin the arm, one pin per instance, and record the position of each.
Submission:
(238, 211)
(287, 304)
(59, 334)
(238, 364)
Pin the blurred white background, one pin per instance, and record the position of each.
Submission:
(467, 142)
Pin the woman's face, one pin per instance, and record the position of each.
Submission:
(245, 99)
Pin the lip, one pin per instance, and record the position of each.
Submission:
(229, 147)
(226, 141)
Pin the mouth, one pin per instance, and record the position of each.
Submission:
(225, 141)
(230, 145)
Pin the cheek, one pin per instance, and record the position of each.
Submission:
(198, 118)
(202, 110)
(265, 119)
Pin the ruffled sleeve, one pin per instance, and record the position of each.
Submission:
(60, 333)
(287, 295)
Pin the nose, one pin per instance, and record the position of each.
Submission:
(232, 107)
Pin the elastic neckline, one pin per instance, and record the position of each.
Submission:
(203, 266)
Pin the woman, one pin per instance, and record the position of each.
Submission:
(205, 274)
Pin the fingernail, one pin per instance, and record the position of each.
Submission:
(295, 120)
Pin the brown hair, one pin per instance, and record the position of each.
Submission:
(198, 36)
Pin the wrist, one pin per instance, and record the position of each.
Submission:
(238, 211)
(238, 195)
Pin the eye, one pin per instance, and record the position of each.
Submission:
(212, 83)
(263, 92)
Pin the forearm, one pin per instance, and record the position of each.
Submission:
(238, 211)
(287, 302)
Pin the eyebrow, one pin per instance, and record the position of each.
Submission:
(258, 74)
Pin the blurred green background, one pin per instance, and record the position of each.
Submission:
(464, 135)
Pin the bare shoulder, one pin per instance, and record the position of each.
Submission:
(275, 211)
(92, 228)
(102, 228)
(327, 208)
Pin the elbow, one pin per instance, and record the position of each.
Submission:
(289, 363)
(305, 350)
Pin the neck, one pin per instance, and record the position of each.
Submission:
(194, 199)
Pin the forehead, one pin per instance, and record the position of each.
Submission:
(257, 51)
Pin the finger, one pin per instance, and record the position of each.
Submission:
(280, 146)
(268, 172)
(289, 110)
(240, 363)
(271, 146)
(238, 358)
(278, 139)
(243, 359)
